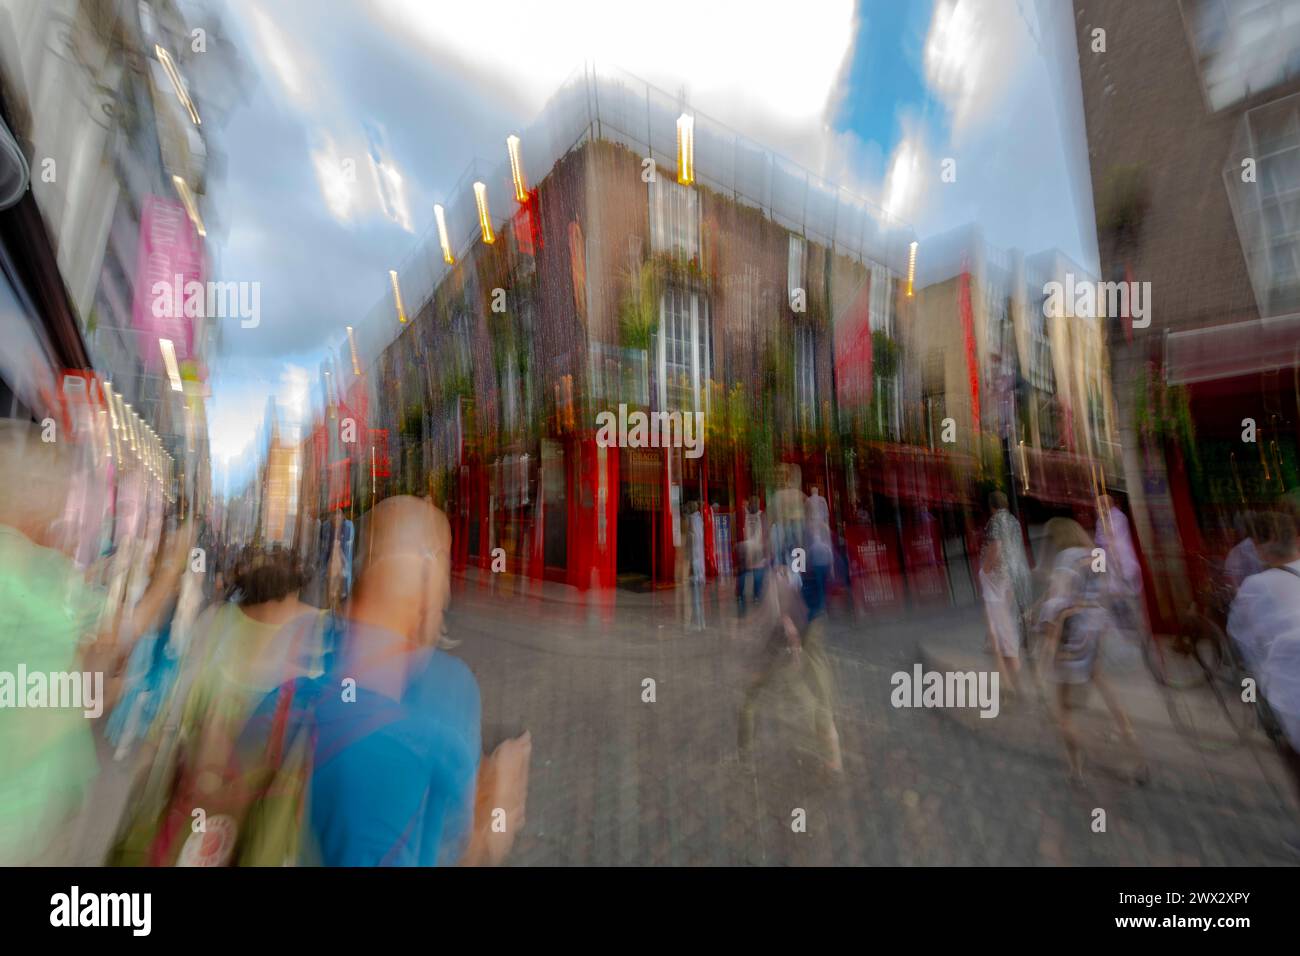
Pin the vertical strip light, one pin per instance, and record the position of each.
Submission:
(484, 217)
(440, 215)
(191, 207)
(686, 149)
(397, 297)
(517, 169)
(911, 268)
(168, 349)
(118, 414)
(173, 74)
(352, 347)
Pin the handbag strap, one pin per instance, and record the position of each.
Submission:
(275, 748)
(310, 625)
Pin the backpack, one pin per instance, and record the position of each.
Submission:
(275, 831)
(255, 816)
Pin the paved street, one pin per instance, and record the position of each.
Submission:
(619, 781)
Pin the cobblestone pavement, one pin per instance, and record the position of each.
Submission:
(617, 781)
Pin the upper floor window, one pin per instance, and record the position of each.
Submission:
(674, 219)
(882, 300)
(1243, 46)
(685, 355)
(794, 267)
(1267, 208)
(1041, 374)
(805, 375)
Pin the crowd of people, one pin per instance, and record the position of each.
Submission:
(268, 729)
(1087, 594)
(288, 712)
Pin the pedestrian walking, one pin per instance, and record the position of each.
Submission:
(1075, 621)
(793, 644)
(1264, 622)
(753, 556)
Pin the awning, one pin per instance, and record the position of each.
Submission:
(1232, 349)
(919, 476)
(1056, 477)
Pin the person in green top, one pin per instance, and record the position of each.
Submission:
(51, 621)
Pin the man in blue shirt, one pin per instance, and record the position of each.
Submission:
(395, 768)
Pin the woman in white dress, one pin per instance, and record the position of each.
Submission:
(1002, 613)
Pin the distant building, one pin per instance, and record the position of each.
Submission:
(280, 482)
(1006, 378)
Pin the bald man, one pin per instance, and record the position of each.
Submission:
(397, 721)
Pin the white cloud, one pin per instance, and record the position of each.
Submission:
(972, 51)
(769, 69)
(287, 62)
(233, 418)
(336, 188)
(783, 57)
(390, 187)
(1002, 91)
(294, 394)
(238, 411)
(335, 134)
(903, 183)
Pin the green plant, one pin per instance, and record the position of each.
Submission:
(455, 382)
(638, 313)
(884, 354)
(1163, 412)
(671, 268)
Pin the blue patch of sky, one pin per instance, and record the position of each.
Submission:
(886, 77)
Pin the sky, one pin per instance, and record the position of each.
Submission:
(356, 118)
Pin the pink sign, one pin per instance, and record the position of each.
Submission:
(169, 260)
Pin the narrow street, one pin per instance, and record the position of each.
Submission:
(617, 781)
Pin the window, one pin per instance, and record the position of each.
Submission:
(794, 267)
(882, 300)
(685, 354)
(1002, 338)
(1048, 434)
(1041, 374)
(1268, 210)
(1243, 46)
(805, 376)
(462, 335)
(888, 405)
(510, 392)
(674, 219)
(936, 410)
